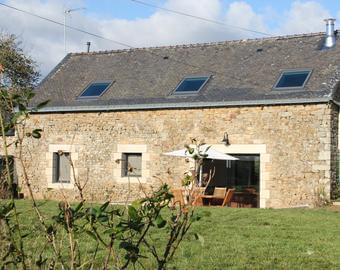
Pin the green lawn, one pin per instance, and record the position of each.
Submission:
(244, 238)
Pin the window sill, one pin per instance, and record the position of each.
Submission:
(132, 180)
(60, 185)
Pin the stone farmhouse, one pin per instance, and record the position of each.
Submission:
(271, 102)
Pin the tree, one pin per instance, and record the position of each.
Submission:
(18, 71)
(18, 76)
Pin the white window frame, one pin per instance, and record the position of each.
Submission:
(125, 165)
(174, 92)
(285, 71)
(59, 156)
(55, 148)
(118, 164)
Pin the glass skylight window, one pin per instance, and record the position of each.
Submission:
(293, 79)
(95, 89)
(191, 85)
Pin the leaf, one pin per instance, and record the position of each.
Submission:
(30, 95)
(21, 107)
(9, 262)
(42, 104)
(103, 218)
(40, 261)
(50, 230)
(195, 217)
(136, 204)
(124, 245)
(191, 150)
(128, 246)
(25, 235)
(92, 235)
(160, 222)
(104, 206)
(133, 214)
(92, 211)
(110, 231)
(36, 133)
(79, 206)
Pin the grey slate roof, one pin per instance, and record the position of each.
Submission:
(243, 73)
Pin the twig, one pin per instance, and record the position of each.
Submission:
(105, 266)
(10, 183)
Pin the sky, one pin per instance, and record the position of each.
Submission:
(138, 25)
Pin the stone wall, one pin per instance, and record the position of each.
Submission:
(296, 143)
(334, 148)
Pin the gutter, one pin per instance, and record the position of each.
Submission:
(183, 105)
(336, 102)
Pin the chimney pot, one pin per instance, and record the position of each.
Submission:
(330, 38)
(88, 46)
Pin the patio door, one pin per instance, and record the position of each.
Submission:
(242, 174)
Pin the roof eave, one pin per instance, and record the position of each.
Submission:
(157, 106)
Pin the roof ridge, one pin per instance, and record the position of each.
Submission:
(203, 44)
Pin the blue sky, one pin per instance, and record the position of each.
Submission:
(141, 26)
(126, 9)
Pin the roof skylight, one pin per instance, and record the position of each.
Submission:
(292, 79)
(191, 85)
(95, 89)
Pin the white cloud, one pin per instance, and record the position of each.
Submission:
(166, 28)
(242, 15)
(44, 40)
(304, 17)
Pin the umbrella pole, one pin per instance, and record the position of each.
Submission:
(200, 176)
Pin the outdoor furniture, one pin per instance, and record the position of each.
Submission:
(228, 197)
(221, 197)
(208, 198)
(218, 196)
(178, 197)
(223, 201)
(250, 190)
(245, 199)
(220, 192)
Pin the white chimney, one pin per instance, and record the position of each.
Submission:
(88, 44)
(330, 34)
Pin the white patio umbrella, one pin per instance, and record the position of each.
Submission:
(204, 151)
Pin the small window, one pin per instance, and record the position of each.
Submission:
(292, 79)
(191, 85)
(10, 132)
(95, 90)
(132, 164)
(61, 167)
(9, 128)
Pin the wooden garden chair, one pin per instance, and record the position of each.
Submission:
(218, 196)
(219, 193)
(228, 197)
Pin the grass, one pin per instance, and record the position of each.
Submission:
(241, 238)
